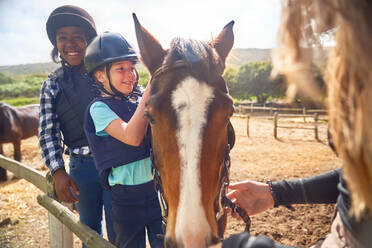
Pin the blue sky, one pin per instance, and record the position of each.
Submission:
(23, 37)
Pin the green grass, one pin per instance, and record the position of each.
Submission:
(21, 101)
(27, 87)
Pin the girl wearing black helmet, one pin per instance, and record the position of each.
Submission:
(118, 136)
(63, 100)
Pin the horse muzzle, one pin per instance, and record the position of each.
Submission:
(190, 242)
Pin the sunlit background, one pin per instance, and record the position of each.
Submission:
(23, 36)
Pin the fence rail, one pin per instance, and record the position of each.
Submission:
(22, 171)
(60, 235)
(89, 237)
(276, 117)
(244, 109)
(276, 126)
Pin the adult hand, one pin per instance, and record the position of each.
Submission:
(254, 197)
(63, 184)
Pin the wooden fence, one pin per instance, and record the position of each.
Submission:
(276, 116)
(61, 220)
(249, 109)
(315, 124)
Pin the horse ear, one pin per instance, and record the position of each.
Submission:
(224, 41)
(151, 51)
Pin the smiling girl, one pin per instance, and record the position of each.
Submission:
(116, 128)
(65, 95)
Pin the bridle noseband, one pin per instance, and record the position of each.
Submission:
(223, 201)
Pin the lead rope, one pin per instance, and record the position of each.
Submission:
(226, 202)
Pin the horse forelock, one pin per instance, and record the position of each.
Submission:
(192, 112)
(202, 59)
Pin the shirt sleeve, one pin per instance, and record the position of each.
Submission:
(49, 133)
(102, 116)
(321, 188)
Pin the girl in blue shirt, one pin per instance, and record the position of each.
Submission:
(116, 129)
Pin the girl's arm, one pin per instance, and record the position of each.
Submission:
(131, 133)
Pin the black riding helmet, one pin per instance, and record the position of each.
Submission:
(69, 15)
(106, 49)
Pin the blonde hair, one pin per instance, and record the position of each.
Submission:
(348, 77)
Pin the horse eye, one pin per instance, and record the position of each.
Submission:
(229, 115)
(151, 119)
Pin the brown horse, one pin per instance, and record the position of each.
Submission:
(189, 110)
(17, 123)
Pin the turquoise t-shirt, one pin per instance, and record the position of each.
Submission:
(134, 173)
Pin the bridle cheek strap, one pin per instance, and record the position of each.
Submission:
(223, 201)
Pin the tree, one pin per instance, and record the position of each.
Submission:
(5, 80)
(253, 79)
(144, 78)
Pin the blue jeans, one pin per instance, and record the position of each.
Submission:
(135, 210)
(93, 198)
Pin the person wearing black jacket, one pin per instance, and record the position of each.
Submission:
(64, 97)
(329, 187)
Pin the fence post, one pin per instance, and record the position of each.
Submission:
(304, 113)
(60, 236)
(316, 126)
(248, 116)
(240, 109)
(251, 107)
(275, 124)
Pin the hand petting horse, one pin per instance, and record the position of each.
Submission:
(17, 123)
(189, 110)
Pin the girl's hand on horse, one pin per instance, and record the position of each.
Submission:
(254, 197)
(62, 183)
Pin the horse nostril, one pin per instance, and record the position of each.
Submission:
(170, 243)
(214, 240)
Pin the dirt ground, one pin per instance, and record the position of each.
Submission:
(23, 223)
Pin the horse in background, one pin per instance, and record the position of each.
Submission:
(17, 123)
(189, 110)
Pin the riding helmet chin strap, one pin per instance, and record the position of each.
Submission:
(113, 89)
(134, 94)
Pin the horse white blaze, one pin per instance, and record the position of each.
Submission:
(191, 100)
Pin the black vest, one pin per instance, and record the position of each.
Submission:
(107, 151)
(75, 94)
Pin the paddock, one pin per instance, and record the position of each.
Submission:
(306, 120)
(259, 157)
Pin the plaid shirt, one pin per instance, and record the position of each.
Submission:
(50, 139)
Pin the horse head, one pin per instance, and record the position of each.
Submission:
(6, 120)
(189, 110)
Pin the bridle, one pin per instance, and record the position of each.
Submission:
(223, 201)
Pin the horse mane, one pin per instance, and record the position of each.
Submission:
(203, 61)
(348, 77)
